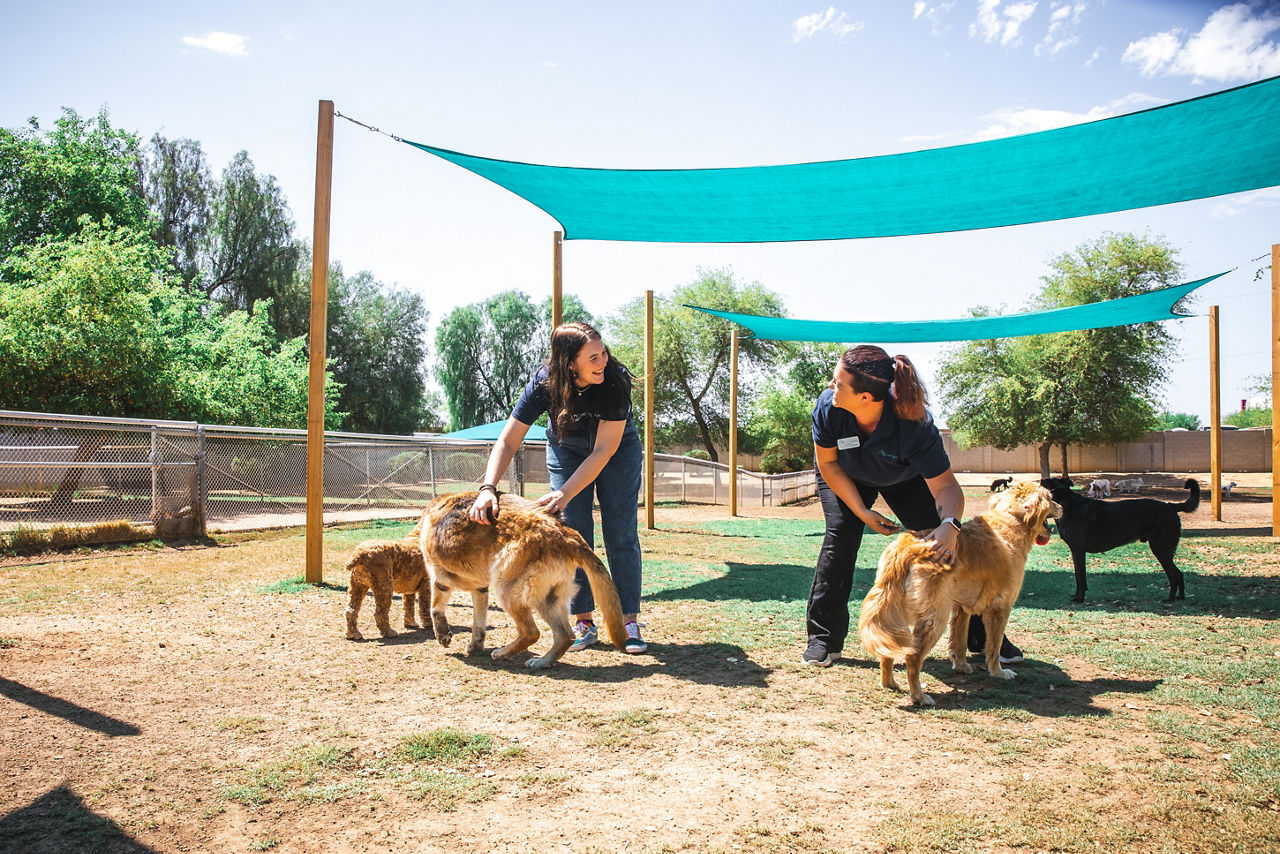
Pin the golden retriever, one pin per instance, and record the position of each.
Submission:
(905, 612)
(386, 567)
(528, 557)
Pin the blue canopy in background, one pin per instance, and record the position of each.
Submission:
(490, 432)
(1226, 142)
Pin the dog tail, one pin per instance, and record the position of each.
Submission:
(1193, 500)
(884, 625)
(605, 594)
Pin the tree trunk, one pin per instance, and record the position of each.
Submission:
(89, 446)
(1064, 460)
(1044, 458)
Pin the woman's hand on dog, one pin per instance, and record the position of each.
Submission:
(485, 508)
(553, 502)
(881, 524)
(945, 539)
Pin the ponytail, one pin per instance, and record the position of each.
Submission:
(874, 372)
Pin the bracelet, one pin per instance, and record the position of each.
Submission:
(490, 487)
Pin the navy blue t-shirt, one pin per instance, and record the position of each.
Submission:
(607, 401)
(897, 450)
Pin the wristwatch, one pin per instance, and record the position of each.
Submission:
(952, 521)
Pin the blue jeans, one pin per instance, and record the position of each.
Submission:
(617, 487)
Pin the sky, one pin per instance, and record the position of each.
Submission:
(683, 84)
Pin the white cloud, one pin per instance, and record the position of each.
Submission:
(1231, 46)
(934, 14)
(227, 44)
(1002, 25)
(1063, 19)
(1243, 203)
(832, 21)
(1030, 120)
(1094, 57)
(548, 64)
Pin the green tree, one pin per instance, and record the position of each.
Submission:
(248, 252)
(1175, 421)
(781, 418)
(377, 348)
(83, 167)
(1259, 416)
(178, 185)
(93, 325)
(485, 353)
(1087, 387)
(691, 354)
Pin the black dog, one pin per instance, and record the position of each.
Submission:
(1000, 484)
(1092, 526)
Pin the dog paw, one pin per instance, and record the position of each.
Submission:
(1003, 673)
(354, 635)
(961, 667)
(411, 625)
(475, 647)
(538, 663)
(388, 632)
(444, 639)
(924, 700)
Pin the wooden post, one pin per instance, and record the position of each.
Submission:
(1275, 372)
(557, 278)
(648, 411)
(733, 422)
(1215, 417)
(319, 324)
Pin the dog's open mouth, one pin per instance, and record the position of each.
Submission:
(1042, 538)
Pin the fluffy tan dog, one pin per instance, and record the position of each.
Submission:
(906, 610)
(528, 557)
(386, 567)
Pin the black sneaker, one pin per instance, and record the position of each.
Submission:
(977, 637)
(1009, 654)
(816, 655)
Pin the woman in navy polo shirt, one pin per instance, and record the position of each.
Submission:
(592, 446)
(872, 436)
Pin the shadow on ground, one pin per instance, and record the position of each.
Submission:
(58, 822)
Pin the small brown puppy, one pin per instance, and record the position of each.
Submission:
(905, 612)
(386, 567)
(528, 557)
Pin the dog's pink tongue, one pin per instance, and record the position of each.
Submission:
(1042, 539)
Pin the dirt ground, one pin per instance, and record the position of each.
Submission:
(170, 699)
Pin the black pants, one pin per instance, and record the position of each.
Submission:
(828, 611)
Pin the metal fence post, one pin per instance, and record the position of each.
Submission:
(201, 498)
(431, 469)
(155, 473)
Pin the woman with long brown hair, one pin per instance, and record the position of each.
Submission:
(873, 437)
(592, 448)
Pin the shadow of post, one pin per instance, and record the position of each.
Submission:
(68, 711)
(59, 821)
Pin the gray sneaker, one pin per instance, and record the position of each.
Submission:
(584, 635)
(816, 655)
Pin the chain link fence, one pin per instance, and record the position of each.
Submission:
(181, 479)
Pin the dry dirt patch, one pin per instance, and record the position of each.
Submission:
(184, 700)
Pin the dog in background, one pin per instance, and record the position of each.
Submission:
(528, 557)
(1000, 484)
(1100, 488)
(905, 612)
(386, 567)
(1132, 484)
(1227, 487)
(1089, 526)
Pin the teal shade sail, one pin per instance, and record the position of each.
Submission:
(1143, 308)
(1226, 142)
(491, 431)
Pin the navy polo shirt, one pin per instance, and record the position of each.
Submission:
(897, 450)
(607, 401)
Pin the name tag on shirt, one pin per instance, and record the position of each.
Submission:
(847, 442)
